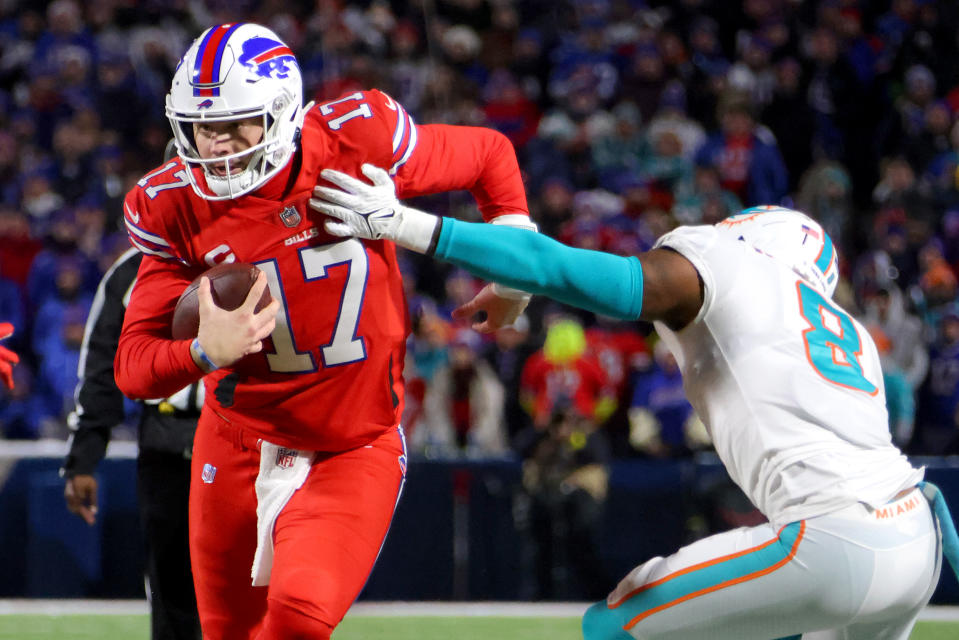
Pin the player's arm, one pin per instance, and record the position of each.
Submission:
(484, 162)
(477, 159)
(99, 403)
(148, 363)
(425, 159)
(657, 285)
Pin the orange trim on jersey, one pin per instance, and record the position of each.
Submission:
(695, 567)
(721, 585)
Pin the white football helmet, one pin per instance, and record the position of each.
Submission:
(236, 71)
(792, 238)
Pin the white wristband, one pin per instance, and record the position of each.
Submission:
(415, 230)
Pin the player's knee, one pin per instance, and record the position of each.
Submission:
(602, 623)
(285, 622)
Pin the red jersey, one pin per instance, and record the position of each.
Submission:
(618, 351)
(330, 376)
(581, 383)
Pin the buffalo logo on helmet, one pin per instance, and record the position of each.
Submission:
(267, 58)
(206, 104)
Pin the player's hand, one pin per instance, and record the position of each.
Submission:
(364, 210)
(7, 358)
(500, 312)
(81, 495)
(227, 336)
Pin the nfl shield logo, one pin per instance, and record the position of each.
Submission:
(209, 472)
(285, 457)
(290, 216)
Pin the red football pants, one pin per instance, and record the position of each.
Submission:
(326, 538)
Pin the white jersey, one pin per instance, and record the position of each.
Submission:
(788, 384)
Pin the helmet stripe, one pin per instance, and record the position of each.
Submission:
(207, 68)
(218, 58)
(198, 63)
(825, 258)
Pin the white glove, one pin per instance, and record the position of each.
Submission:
(372, 211)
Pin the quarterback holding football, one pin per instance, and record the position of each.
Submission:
(299, 457)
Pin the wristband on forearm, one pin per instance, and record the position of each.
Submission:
(417, 230)
(201, 358)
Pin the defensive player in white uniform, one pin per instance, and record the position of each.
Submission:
(790, 387)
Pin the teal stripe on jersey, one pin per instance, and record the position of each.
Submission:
(592, 280)
(603, 623)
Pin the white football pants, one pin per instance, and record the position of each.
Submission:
(854, 574)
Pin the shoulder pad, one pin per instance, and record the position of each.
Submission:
(142, 215)
(374, 118)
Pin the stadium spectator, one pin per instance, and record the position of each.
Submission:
(938, 412)
(898, 196)
(900, 394)
(59, 357)
(907, 352)
(67, 298)
(672, 116)
(932, 140)
(617, 152)
(790, 119)
(707, 201)
(825, 193)
(506, 355)
(61, 250)
(843, 125)
(463, 405)
(562, 373)
(662, 423)
(937, 280)
(746, 156)
(559, 511)
(24, 412)
(508, 109)
(18, 247)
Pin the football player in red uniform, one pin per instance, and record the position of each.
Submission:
(299, 456)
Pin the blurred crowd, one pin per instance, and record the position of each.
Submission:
(629, 117)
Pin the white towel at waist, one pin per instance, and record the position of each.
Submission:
(282, 472)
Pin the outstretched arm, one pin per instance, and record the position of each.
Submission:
(657, 285)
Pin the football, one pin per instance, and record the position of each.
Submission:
(229, 284)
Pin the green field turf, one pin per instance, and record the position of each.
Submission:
(120, 627)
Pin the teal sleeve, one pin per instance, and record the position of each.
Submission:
(600, 282)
